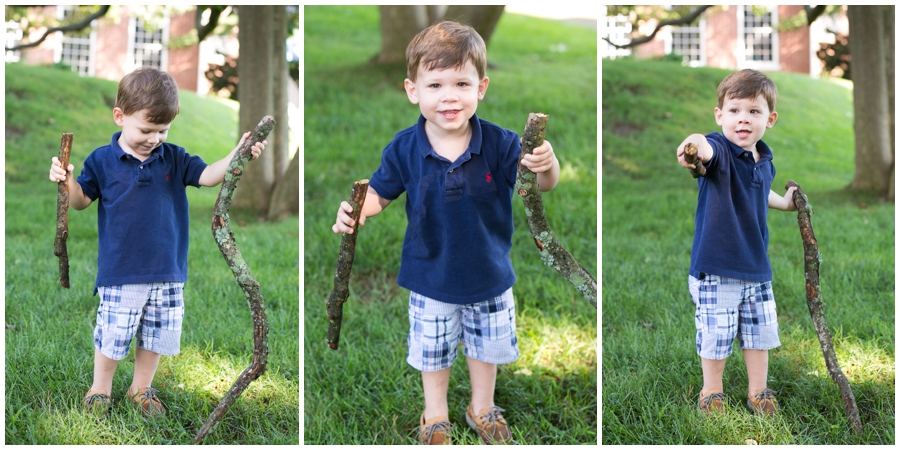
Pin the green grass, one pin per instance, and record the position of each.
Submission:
(49, 342)
(651, 372)
(365, 392)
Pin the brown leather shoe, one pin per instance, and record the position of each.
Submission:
(97, 402)
(148, 401)
(763, 402)
(712, 401)
(490, 425)
(434, 431)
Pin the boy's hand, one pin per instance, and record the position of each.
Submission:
(256, 149)
(541, 160)
(57, 173)
(785, 203)
(344, 223)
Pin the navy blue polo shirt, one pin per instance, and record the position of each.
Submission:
(142, 213)
(459, 213)
(731, 238)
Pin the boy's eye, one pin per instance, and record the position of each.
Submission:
(434, 85)
(462, 84)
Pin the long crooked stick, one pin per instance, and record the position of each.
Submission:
(553, 253)
(62, 212)
(225, 239)
(816, 306)
(334, 305)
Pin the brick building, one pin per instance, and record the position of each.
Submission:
(734, 37)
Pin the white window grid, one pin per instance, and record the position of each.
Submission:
(758, 39)
(76, 51)
(617, 29)
(13, 37)
(147, 48)
(689, 41)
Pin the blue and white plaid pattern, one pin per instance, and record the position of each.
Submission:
(152, 311)
(487, 330)
(727, 308)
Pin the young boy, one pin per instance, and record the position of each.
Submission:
(142, 217)
(730, 277)
(458, 172)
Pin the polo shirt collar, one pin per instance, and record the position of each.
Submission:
(765, 153)
(121, 154)
(425, 148)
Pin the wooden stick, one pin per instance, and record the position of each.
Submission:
(225, 240)
(690, 157)
(62, 212)
(334, 305)
(553, 253)
(816, 306)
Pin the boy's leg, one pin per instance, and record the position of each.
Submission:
(435, 386)
(104, 368)
(145, 364)
(483, 377)
(712, 374)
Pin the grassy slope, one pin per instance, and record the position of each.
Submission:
(651, 374)
(49, 345)
(365, 392)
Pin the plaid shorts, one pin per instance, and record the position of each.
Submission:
(487, 329)
(152, 311)
(728, 308)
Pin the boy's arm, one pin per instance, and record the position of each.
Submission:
(373, 205)
(704, 150)
(543, 162)
(214, 173)
(785, 203)
(77, 199)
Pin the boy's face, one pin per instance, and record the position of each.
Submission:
(447, 98)
(139, 136)
(744, 120)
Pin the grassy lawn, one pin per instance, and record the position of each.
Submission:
(366, 393)
(651, 372)
(49, 330)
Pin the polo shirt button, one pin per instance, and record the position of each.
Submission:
(451, 171)
(142, 167)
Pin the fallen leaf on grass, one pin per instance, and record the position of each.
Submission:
(10, 327)
(525, 372)
(751, 442)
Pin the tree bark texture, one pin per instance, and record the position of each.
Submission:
(816, 306)
(874, 155)
(690, 157)
(225, 239)
(62, 213)
(553, 253)
(334, 305)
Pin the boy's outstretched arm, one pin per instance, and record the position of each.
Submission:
(704, 150)
(77, 199)
(373, 205)
(543, 162)
(215, 172)
(785, 203)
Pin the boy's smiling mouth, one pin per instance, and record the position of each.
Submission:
(450, 114)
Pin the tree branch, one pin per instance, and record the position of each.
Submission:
(225, 240)
(334, 305)
(816, 306)
(77, 26)
(690, 157)
(215, 12)
(813, 12)
(680, 21)
(552, 251)
(62, 212)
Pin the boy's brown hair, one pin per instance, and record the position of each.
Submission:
(445, 45)
(150, 89)
(748, 83)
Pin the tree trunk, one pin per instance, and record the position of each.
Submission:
(286, 198)
(812, 257)
(872, 113)
(262, 32)
(483, 18)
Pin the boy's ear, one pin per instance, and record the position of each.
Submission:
(482, 87)
(718, 114)
(773, 116)
(411, 91)
(118, 116)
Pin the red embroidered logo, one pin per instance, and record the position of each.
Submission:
(167, 177)
(487, 177)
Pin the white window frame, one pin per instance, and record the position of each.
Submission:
(741, 51)
(700, 28)
(617, 29)
(14, 36)
(130, 63)
(63, 39)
